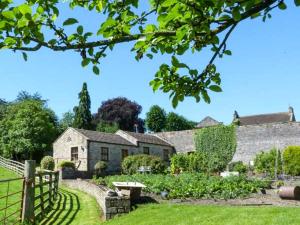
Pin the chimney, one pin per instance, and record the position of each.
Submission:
(136, 128)
(235, 115)
(292, 114)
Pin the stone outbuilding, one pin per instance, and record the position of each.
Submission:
(86, 148)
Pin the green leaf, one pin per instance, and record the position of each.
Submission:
(236, 14)
(297, 2)
(80, 30)
(24, 56)
(96, 70)
(25, 9)
(227, 52)
(40, 9)
(85, 62)
(215, 88)
(70, 21)
(8, 15)
(282, 6)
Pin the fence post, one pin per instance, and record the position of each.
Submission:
(28, 201)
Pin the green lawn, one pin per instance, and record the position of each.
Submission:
(73, 207)
(165, 214)
(14, 186)
(76, 208)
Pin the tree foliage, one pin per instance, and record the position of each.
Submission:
(218, 143)
(67, 120)
(172, 27)
(24, 95)
(123, 112)
(175, 122)
(156, 119)
(265, 162)
(291, 160)
(83, 116)
(28, 129)
(107, 127)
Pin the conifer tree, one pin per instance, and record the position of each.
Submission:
(83, 116)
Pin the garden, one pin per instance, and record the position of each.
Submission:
(198, 175)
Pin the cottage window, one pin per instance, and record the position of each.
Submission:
(104, 154)
(74, 154)
(124, 153)
(166, 155)
(146, 150)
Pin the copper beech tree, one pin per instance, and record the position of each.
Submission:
(171, 27)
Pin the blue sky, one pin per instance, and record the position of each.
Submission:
(261, 76)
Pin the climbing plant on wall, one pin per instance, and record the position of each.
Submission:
(218, 143)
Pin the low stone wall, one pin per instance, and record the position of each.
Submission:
(111, 206)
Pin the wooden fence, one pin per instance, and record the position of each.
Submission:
(38, 193)
(46, 190)
(12, 165)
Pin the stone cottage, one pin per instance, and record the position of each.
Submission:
(86, 148)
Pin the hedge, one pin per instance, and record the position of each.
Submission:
(218, 143)
(195, 162)
(291, 159)
(132, 163)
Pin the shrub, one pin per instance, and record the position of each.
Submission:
(291, 159)
(67, 164)
(192, 185)
(238, 167)
(48, 163)
(218, 143)
(265, 162)
(195, 162)
(132, 163)
(100, 168)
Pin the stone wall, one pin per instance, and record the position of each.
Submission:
(62, 148)
(111, 206)
(253, 139)
(183, 141)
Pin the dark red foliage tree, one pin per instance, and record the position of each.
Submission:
(121, 111)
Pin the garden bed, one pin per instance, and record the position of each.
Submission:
(194, 186)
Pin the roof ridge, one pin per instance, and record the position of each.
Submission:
(264, 114)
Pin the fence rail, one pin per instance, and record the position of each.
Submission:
(46, 187)
(37, 194)
(12, 165)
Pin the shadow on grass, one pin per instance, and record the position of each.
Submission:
(65, 209)
(142, 200)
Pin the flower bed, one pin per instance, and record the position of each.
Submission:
(194, 185)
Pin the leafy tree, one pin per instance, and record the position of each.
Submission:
(156, 119)
(3, 107)
(27, 130)
(67, 120)
(24, 95)
(83, 116)
(172, 27)
(176, 122)
(107, 127)
(120, 111)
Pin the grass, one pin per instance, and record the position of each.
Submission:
(179, 214)
(77, 208)
(14, 186)
(73, 207)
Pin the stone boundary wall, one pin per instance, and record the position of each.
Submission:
(111, 206)
(253, 139)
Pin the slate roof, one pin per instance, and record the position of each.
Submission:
(148, 138)
(207, 122)
(104, 137)
(283, 117)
